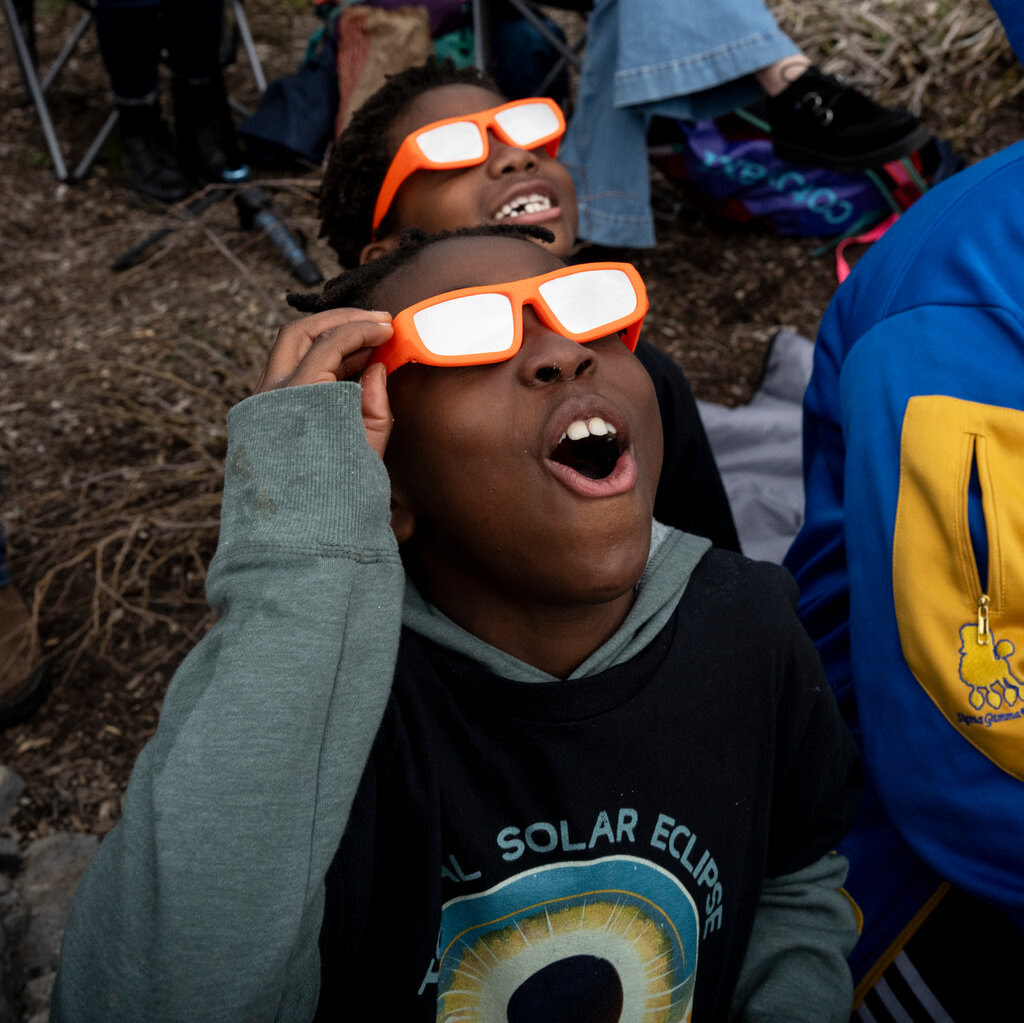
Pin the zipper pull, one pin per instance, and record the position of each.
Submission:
(984, 636)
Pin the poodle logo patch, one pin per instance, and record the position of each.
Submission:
(985, 670)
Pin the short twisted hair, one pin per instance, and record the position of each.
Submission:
(360, 158)
(355, 288)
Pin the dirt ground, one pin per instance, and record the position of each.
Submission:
(114, 386)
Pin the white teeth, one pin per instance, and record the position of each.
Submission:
(532, 203)
(578, 429)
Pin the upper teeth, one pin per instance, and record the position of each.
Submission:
(524, 204)
(594, 427)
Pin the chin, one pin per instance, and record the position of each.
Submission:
(616, 572)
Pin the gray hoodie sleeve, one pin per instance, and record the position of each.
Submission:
(205, 901)
(795, 968)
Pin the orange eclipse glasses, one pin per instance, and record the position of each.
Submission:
(462, 142)
(482, 325)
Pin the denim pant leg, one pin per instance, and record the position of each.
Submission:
(675, 58)
(673, 48)
(605, 146)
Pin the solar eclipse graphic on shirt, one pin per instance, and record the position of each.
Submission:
(612, 940)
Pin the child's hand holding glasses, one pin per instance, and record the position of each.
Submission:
(331, 346)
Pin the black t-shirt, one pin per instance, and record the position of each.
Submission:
(581, 850)
(691, 495)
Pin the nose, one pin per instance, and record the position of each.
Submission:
(549, 358)
(505, 159)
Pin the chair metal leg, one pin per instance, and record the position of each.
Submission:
(250, 47)
(85, 164)
(66, 50)
(482, 29)
(35, 90)
(557, 67)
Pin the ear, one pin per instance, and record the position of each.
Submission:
(403, 518)
(378, 248)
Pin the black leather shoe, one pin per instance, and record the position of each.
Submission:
(149, 153)
(821, 121)
(207, 143)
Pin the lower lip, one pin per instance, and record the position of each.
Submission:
(540, 217)
(621, 480)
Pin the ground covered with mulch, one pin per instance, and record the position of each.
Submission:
(114, 386)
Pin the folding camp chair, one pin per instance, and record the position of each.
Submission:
(21, 23)
(484, 19)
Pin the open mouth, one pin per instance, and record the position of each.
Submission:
(521, 205)
(590, 447)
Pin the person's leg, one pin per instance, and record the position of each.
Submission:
(128, 33)
(683, 48)
(193, 30)
(701, 51)
(205, 131)
(692, 60)
(776, 77)
(676, 58)
(605, 147)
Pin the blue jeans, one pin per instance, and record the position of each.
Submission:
(689, 59)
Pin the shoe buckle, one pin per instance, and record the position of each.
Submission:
(817, 107)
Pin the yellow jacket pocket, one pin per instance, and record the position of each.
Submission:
(960, 602)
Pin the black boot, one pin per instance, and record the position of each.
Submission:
(149, 153)
(207, 143)
(821, 121)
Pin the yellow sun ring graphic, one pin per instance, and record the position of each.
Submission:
(626, 933)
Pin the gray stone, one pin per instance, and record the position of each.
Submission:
(52, 868)
(11, 788)
(36, 996)
(13, 910)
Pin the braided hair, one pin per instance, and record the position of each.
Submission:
(356, 288)
(360, 157)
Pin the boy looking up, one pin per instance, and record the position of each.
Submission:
(522, 184)
(589, 771)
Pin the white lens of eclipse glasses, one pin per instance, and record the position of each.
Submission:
(450, 143)
(470, 325)
(589, 299)
(527, 123)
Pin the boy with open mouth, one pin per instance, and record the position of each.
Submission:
(438, 148)
(474, 737)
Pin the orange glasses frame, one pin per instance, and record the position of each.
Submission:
(410, 158)
(405, 346)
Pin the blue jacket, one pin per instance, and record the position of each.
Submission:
(911, 559)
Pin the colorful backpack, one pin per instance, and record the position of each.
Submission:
(729, 165)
